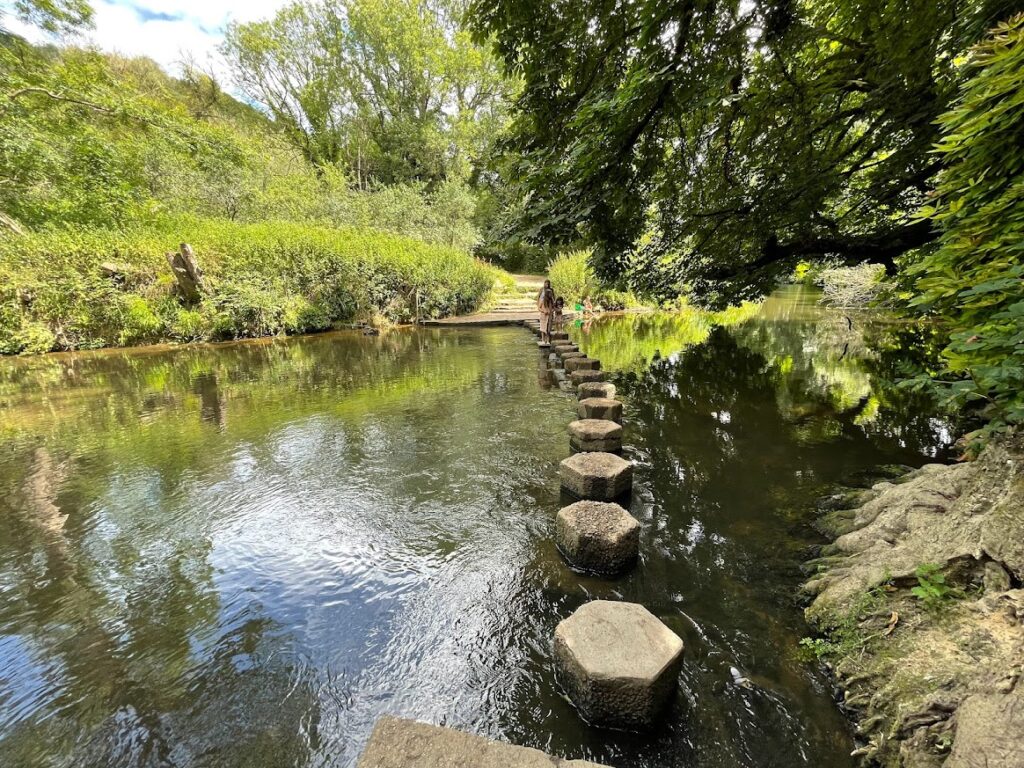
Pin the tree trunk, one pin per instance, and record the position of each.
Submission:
(187, 272)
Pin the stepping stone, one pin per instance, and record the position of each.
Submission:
(399, 743)
(595, 435)
(598, 537)
(562, 348)
(600, 408)
(543, 345)
(598, 476)
(580, 377)
(582, 364)
(596, 389)
(559, 336)
(618, 663)
(571, 355)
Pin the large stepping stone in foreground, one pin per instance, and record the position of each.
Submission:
(596, 476)
(600, 408)
(618, 663)
(398, 743)
(595, 435)
(598, 537)
(596, 389)
(581, 377)
(582, 364)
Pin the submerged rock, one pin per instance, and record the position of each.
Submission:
(582, 364)
(398, 743)
(597, 536)
(582, 377)
(595, 435)
(600, 408)
(597, 476)
(618, 662)
(595, 389)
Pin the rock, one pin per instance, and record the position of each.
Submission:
(398, 743)
(559, 336)
(565, 356)
(581, 377)
(560, 347)
(543, 345)
(595, 435)
(597, 476)
(595, 389)
(988, 732)
(618, 663)
(582, 364)
(600, 408)
(597, 536)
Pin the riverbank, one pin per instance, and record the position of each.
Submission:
(921, 610)
(88, 289)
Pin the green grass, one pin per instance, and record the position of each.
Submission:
(262, 279)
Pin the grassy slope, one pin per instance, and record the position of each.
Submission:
(263, 279)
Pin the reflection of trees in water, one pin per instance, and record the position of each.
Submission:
(113, 617)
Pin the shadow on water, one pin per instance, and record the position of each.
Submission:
(242, 555)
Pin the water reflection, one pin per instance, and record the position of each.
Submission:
(243, 554)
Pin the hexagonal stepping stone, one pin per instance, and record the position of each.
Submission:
(580, 377)
(598, 476)
(618, 663)
(582, 364)
(598, 537)
(596, 389)
(561, 348)
(600, 408)
(595, 435)
(571, 356)
(400, 743)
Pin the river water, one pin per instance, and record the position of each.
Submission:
(242, 555)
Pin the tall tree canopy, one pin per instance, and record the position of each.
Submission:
(719, 141)
(393, 89)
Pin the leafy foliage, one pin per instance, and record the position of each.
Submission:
(572, 277)
(729, 139)
(932, 589)
(268, 278)
(974, 279)
(394, 90)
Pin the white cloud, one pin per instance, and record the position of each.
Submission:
(165, 30)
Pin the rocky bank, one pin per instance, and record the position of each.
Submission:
(932, 677)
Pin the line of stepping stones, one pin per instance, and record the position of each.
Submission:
(618, 662)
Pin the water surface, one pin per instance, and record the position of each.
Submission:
(242, 555)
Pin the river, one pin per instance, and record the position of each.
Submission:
(243, 554)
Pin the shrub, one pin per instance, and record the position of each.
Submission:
(572, 276)
(974, 280)
(267, 278)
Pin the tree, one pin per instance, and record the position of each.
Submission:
(974, 279)
(394, 89)
(55, 16)
(722, 141)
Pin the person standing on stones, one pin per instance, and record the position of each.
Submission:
(546, 307)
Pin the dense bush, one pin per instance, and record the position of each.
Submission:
(267, 278)
(572, 277)
(974, 280)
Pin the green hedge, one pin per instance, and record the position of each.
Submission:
(262, 279)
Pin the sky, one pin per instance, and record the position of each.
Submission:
(164, 29)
